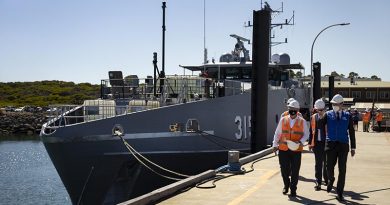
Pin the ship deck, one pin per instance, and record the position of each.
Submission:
(367, 181)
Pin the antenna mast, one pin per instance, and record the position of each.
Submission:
(204, 33)
(288, 22)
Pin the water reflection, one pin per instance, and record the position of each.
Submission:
(27, 176)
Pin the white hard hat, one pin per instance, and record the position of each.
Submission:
(293, 104)
(292, 145)
(337, 99)
(289, 100)
(319, 104)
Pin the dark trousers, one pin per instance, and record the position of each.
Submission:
(290, 163)
(320, 162)
(366, 126)
(379, 125)
(337, 152)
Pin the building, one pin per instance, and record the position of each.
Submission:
(361, 90)
(361, 94)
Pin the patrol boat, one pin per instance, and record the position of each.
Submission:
(143, 134)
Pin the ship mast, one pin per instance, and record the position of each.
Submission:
(162, 73)
(204, 33)
(288, 22)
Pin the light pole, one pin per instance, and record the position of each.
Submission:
(311, 59)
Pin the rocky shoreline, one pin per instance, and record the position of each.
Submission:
(16, 123)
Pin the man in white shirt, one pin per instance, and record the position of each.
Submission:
(290, 134)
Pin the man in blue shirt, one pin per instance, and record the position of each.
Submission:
(340, 132)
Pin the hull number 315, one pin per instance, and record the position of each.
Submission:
(244, 127)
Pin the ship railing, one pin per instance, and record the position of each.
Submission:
(177, 89)
(64, 115)
(186, 88)
(182, 88)
(190, 88)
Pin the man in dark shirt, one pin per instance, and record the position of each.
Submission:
(355, 119)
(317, 143)
(340, 132)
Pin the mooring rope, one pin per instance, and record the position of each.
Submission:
(85, 185)
(135, 153)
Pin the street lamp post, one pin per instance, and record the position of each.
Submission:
(311, 59)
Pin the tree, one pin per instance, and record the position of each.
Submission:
(291, 74)
(353, 75)
(299, 74)
(374, 77)
(335, 74)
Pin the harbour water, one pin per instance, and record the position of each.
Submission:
(27, 176)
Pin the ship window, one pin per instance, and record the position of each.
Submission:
(246, 73)
(232, 73)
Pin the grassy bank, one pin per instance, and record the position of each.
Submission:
(44, 93)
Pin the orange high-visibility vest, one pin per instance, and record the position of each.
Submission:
(313, 128)
(366, 117)
(294, 133)
(379, 117)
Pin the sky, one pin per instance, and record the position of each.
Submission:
(81, 41)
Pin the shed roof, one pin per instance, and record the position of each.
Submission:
(382, 106)
(357, 84)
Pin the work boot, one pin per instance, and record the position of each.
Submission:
(285, 190)
(317, 187)
(329, 186)
(293, 194)
(340, 198)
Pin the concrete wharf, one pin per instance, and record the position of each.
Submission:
(367, 181)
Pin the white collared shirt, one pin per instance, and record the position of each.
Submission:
(278, 131)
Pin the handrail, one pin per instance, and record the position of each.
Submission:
(181, 90)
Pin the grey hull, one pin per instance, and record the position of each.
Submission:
(96, 167)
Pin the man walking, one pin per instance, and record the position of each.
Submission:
(317, 143)
(285, 113)
(366, 120)
(290, 134)
(379, 118)
(355, 119)
(340, 132)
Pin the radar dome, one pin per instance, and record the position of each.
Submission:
(227, 57)
(275, 58)
(284, 59)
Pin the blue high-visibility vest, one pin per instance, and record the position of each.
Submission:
(338, 128)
